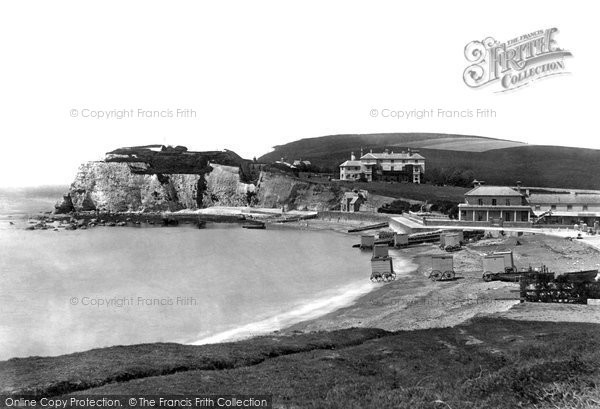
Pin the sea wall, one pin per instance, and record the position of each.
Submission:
(358, 216)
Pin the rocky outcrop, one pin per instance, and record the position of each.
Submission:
(114, 187)
(224, 188)
(157, 178)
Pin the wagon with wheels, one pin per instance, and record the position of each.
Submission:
(442, 267)
(382, 269)
(451, 241)
(499, 266)
(380, 250)
(367, 241)
(540, 285)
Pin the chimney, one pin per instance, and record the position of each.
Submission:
(519, 184)
(386, 151)
(361, 152)
(370, 150)
(476, 183)
(352, 157)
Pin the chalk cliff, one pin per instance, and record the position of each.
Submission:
(146, 179)
(113, 187)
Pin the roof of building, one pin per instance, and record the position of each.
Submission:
(300, 162)
(285, 163)
(493, 191)
(351, 163)
(358, 193)
(392, 155)
(557, 198)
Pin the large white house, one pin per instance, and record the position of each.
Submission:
(352, 169)
(406, 166)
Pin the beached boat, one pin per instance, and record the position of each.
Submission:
(254, 225)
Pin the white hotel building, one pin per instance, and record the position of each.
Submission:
(407, 166)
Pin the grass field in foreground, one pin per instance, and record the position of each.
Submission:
(487, 363)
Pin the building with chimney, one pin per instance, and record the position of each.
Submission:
(494, 205)
(404, 166)
(352, 169)
(498, 205)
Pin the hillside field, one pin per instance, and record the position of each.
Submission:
(494, 161)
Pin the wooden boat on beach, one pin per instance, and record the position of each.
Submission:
(254, 225)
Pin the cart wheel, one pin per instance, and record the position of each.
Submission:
(393, 276)
(435, 275)
(448, 275)
(487, 276)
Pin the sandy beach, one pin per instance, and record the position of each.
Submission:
(413, 301)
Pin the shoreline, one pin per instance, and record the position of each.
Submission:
(340, 294)
(412, 301)
(331, 301)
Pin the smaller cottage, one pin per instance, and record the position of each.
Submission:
(351, 201)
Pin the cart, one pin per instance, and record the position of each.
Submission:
(499, 266)
(382, 269)
(442, 267)
(367, 242)
(450, 241)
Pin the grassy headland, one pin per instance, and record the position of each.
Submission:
(485, 363)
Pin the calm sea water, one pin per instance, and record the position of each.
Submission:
(19, 202)
(68, 291)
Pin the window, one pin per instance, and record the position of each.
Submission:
(392, 168)
(392, 160)
(480, 202)
(585, 208)
(508, 202)
(553, 207)
(538, 207)
(494, 202)
(569, 207)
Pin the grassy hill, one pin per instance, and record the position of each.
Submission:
(485, 363)
(492, 160)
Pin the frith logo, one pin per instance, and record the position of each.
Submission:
(514, 63)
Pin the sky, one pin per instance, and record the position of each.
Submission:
(247, 76)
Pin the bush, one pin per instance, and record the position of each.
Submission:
(397, 207)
